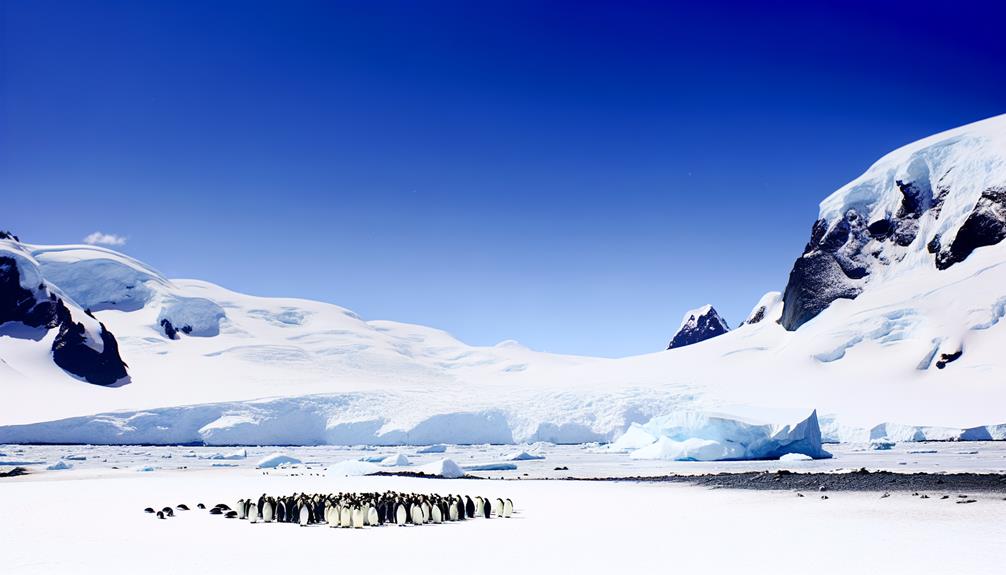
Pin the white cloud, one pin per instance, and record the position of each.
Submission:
(105, 239)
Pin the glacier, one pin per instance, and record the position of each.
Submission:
(914, 355)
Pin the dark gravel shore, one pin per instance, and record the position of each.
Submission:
(862, 480)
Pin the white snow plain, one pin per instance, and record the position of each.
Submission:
(80, 521)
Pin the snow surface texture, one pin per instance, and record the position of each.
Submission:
(713, 531)
(918, 350)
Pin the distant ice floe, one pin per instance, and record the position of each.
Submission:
(524, 456)
(438, 448)
(59, 466)
(275, 460)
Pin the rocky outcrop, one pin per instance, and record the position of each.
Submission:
(840, 255)
(699, 325)
(831, 267)
(985, 226)
(70, 349)
(20, 304)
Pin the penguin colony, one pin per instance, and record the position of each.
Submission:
(356, 510)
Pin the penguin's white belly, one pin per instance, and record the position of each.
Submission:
(304, 515)
(357, 518)
(507, 508)
(400, 515)
(372, 517)
(267, 512)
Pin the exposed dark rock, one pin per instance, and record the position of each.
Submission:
(757, 316)
(169, 330)
(985, 226)
(6, 235)
(880, 230)
(71, 352)
(829, 268)
(20, 304)
(701, 325)
(934, 244)
(946, 358)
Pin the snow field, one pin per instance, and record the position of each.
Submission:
(577, 527)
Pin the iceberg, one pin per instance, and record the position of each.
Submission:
(399, 460)
(443, 468)
(697, 436)
(524, 456)
(275, 460)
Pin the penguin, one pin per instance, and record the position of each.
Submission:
(469, 507)
(168, 512)
(160, 515)
(373, 518)
(222, 507)
(487, 508)
(148, 510)
(452, 511)
(200, 506)
(333, 516)
(436, 516)
(281, 512)
(417, 514)
(478, 506)
(182, 507)
(400, 514)
(305, 516)
(216, 511)
(507, 508)
(498, 507)
(345, 517)
(358, 517)
(267, 511)
(231, 514)
(460, 505)
(253, 513)
(242, 510)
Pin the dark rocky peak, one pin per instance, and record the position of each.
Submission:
(699, 325)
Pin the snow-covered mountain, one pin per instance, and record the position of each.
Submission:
(889, 325)
(698, 325)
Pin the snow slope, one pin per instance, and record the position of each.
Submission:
(908, 346)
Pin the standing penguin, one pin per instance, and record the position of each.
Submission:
(372, 516)
(469, 507)
(452, 511)
(507, 508)
(345, 517)
(357, 517)
(498, 507)
(242, 511)
(400, 514)
(487, 508)
(305, 516)
(267, 510)
(435, 515)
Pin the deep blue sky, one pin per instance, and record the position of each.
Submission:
(574, 176)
